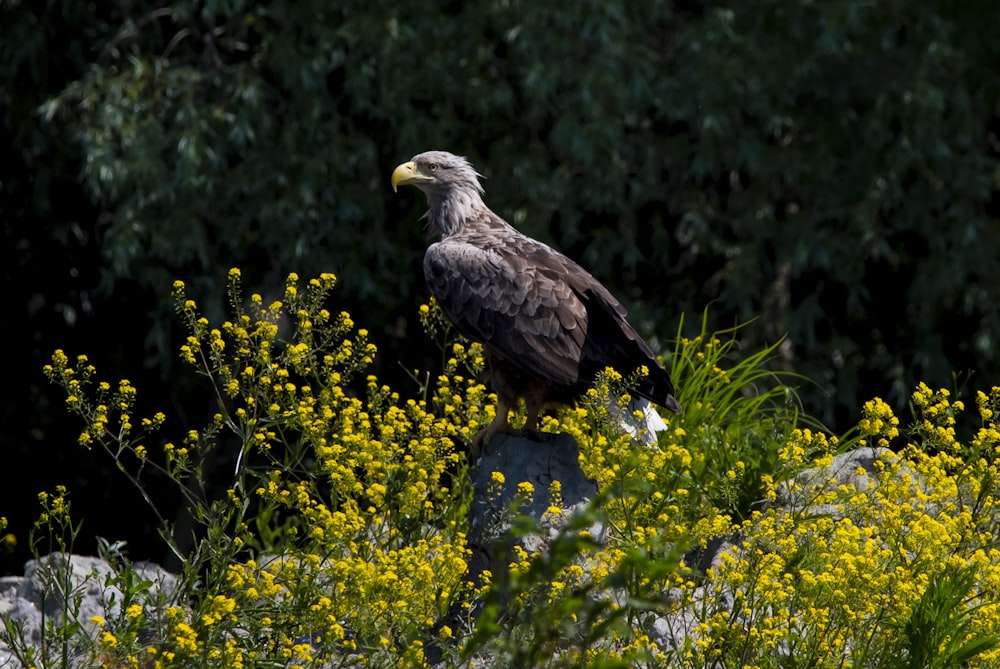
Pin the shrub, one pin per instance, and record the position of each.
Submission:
(341, 540)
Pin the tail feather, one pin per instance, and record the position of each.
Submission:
(672, 404)
(642, 427)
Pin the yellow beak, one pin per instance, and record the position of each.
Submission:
(408, 173)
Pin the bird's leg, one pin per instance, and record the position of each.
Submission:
(499, 424)
(534, 403)
(532, 412)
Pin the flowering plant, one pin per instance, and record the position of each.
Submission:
(341, 537)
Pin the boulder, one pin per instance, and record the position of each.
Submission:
(66, 587)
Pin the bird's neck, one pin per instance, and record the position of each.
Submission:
(450, 212)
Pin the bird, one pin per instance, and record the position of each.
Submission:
(547, 326)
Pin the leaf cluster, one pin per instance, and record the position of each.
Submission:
(831, 168)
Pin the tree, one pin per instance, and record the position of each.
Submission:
(830, 168)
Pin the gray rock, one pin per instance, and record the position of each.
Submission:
(538, 459)
(855, 469)
(64, 584)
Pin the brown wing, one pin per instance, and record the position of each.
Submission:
(612, 341)
(539, 310)
(520, 304)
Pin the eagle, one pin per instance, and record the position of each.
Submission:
(547, 326)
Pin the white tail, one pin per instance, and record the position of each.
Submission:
(641, 428)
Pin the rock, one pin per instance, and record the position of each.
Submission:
(854, 469)
(538, 459)
(55, 579)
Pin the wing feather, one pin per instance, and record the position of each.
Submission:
(539, 310)
(527, 314)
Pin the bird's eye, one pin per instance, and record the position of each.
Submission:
(433, 167)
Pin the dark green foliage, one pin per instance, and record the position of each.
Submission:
(829, 167)
(787, 160)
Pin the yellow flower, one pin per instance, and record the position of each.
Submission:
(185, 638)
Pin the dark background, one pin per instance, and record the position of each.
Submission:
(829, 169)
